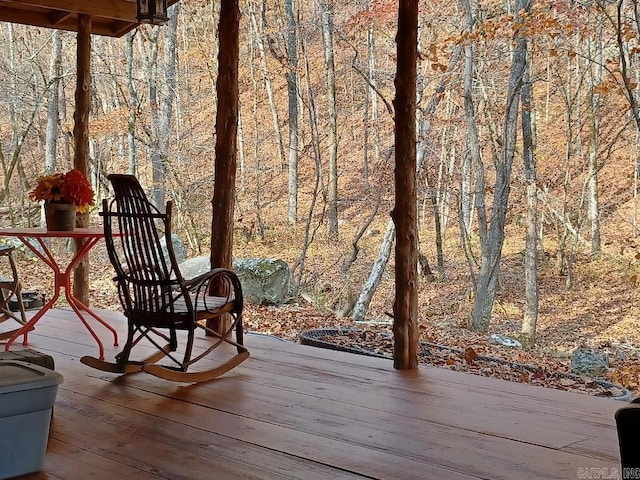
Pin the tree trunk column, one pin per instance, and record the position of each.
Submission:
(81, 142)
(404, 214)
(226, 149)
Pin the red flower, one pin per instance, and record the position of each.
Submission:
(71, 187)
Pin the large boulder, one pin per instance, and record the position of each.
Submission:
(178, 248)
(265, 281)
(587, 361)
(193, 267)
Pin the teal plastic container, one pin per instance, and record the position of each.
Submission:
(27, 395)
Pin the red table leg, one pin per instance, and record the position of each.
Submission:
(62, 281)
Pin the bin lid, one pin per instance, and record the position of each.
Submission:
(16, 376)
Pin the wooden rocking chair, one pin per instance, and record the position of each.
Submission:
(10, 288)
(158, 302)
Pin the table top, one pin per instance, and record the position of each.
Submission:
(78, 232)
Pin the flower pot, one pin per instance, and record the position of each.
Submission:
(60, 216)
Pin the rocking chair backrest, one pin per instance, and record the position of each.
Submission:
(149, 280)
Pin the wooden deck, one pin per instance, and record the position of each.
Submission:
(293, 411)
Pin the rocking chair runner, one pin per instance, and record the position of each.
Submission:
(9, 288)
(158, 302)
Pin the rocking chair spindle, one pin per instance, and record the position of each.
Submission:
(160, 305)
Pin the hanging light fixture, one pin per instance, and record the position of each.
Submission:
(153, 12)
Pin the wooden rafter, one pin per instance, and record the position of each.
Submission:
(112, 18)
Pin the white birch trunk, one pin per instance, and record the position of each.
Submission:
(366, 294)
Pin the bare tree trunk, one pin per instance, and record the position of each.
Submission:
(168, 93)
(431, 196)
(492, 249)
(292, 90)
(332, 197)
(636, 183)
(344, 270)
(573, 146)
(309, 234)
(404, 213)
(593, 204)
(635, 155)
(471, 155)
(158, 178)
(257, 227)
(621, 23)
(133, 108)
(472, 137)
(241, 156)
(257, 27)
(371, 130)
(55, 72)
(531, 241)
(443, 185)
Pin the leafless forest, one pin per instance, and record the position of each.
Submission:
(316, 150)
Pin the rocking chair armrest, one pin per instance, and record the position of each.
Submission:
(206, 277)
(200, 284)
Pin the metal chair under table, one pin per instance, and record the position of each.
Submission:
(10, 288)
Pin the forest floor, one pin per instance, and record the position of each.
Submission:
(455, 347)
(601, 310)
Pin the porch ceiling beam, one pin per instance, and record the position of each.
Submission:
(114, 9)
(113, 18)
(60, 17)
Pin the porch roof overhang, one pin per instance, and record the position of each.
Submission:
(112, 18)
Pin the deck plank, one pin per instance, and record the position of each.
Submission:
(160, 446)
(293, 411)
(186, 410)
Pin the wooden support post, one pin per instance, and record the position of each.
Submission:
(404, 214)
(226, 149)
(81, 141)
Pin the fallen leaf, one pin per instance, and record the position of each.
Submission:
(470, 355)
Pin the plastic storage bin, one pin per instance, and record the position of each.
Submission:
(27, 395)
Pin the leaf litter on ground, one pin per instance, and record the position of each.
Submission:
(474, 354)
(453, 346)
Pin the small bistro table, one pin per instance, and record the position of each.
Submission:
(34, 240)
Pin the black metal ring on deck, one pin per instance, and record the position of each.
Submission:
(316, 338)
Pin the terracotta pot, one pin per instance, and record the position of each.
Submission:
(60, 216)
